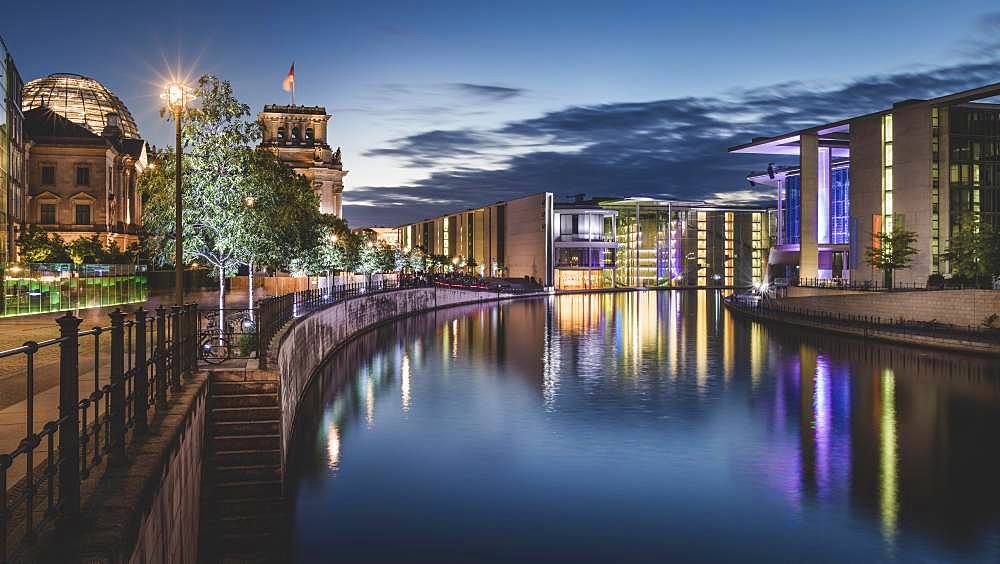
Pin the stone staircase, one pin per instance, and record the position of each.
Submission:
(243, 513)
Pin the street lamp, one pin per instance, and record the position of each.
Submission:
(176, 96)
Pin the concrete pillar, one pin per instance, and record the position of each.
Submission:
(809, 163)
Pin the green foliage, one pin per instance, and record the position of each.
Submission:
(974, 250)
(35, 245)
(894, 251)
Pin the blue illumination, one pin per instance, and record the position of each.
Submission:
(840, 205)
(790, 209)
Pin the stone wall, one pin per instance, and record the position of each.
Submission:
(305, 343)
(955, 307)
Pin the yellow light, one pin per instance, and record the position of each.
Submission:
(176, 95)
(250, 201)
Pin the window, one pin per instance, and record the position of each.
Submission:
(82, 214)
(82, 176)
(295, 135)
(48, 175)
(281, 134)
(309, 134)
(47, 214)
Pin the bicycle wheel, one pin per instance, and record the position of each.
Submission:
(214, 350)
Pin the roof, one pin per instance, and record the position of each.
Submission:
(836, 134)
(46, 124)
(680, 204)
(293, 109)
(81, 99)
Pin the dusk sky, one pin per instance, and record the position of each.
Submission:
(441, 106)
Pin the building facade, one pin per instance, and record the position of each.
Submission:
(664, 243)
(603, 243)
(507, 239)
(298, 135)
(924, 165)
(12, 160)
(584, 245)
(84, 156)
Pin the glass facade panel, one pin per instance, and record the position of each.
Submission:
(44, 288)
(840, 213)
(790, 209)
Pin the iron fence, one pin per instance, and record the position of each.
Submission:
(143, 357)
(858, 285)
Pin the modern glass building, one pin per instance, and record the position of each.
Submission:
(12, 157)
(924, 165)
(46, 288)
(665, 243)
(584, 245)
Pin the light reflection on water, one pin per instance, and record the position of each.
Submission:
(643, 427)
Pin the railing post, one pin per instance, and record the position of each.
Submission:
(161, 358)
(140, 378)
(177, 350)
(190, 360)
(69, 416)
(117, 412)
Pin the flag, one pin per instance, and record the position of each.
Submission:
(289, 84)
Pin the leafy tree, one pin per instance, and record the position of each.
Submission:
(36, 245)
(218, 142)
(894, 251)
(90, 250)
(973, 250)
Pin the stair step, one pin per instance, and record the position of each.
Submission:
(241, 490)
(246, 457)
(242, 428)
(246, 442)
(246, 473)
(245, 400)
(243, 388)
(246, 414)
(242, 376)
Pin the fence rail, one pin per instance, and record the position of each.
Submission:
(857, 285)
(144, 357)
(762, 306)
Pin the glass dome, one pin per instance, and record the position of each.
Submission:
(79, 99)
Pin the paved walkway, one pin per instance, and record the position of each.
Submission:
(15, 331)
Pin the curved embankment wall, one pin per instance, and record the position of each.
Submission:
(305, 343)
(955, 307)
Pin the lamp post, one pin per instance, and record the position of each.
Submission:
(176, 96)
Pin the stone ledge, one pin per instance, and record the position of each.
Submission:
(116, 506)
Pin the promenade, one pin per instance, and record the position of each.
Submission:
(15, 331)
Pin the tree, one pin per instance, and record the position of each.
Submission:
(973, 250)
(218, 140)
(90, 250)
(893, 251)
(36, 245)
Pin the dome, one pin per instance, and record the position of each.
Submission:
(79, 99)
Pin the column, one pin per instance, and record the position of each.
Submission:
(809, 163)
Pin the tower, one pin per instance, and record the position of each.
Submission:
(297, 134)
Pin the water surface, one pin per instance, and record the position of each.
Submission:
(643, 427)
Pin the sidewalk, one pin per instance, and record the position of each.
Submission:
(15, 331)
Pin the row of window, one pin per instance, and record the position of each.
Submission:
(296, 137)
(47, 214)
(49, 175)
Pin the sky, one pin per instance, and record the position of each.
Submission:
(445, 105)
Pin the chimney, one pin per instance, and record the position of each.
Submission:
(113, 128)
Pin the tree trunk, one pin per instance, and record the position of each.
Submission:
(250, 287)
(222, 299)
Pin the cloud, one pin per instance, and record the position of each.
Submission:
(489, 91)
(675, 146)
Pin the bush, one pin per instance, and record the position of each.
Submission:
(935, 281)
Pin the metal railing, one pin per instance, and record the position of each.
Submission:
(779, 310)
(143, 357)
(274, 312)
(858, 285)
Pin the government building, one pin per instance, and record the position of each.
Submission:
(84, 155)
(298, 135)
(923, 165)
(602, 242)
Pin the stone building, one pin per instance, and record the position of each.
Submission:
(84, 155)
(298, 134)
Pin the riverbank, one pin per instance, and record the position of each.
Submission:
(870, 320)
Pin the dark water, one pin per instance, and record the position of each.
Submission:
(644, 427)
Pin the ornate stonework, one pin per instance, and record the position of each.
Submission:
(298, 135)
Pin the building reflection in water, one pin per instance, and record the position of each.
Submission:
(893, 435)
